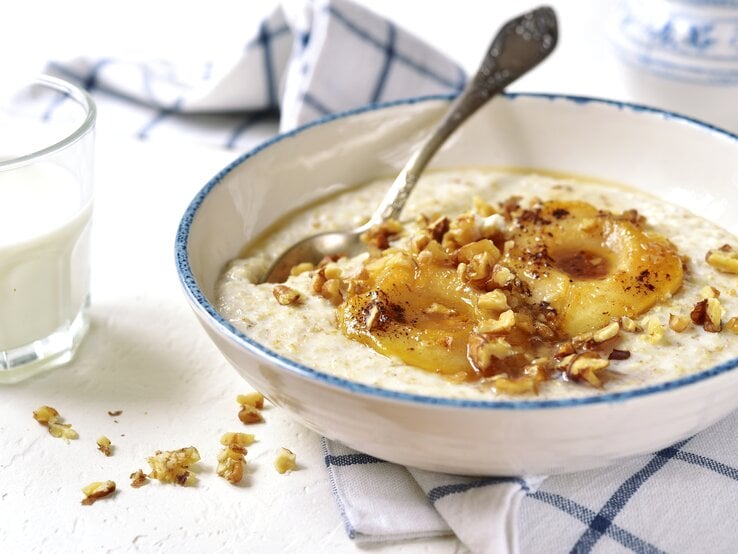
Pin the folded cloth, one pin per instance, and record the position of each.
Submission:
(382, 501)
(303, 60)
(679, 499)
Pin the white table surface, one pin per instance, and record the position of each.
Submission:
(147, 356)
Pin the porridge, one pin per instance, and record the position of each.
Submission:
(499, 284)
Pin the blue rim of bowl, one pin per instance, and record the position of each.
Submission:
(233, 334)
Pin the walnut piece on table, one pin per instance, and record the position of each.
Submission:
(97, 490)
(251, 406)
(285, 461)
(231, 459)
(49, 417)
(104, 445)
(173, 466)
(138, 479)
(255, 399)
(248, 414)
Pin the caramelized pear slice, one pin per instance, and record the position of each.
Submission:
(591, 266)
(420, 313)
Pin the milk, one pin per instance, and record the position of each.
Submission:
(44, 255)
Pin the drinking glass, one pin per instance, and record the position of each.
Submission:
(46, 190)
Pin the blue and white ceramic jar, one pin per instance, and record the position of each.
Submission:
(681, 55)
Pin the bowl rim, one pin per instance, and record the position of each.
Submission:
(200, 302)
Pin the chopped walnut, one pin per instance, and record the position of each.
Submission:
(379, 235)
(483, 352)
(418, 242)
(286, 295)
(503, 324)
(627, 324)
(587, 366)
(708, 313)
(356, 286)
(332, 271)
(49, 417)
(654, 330)
(174, 466)
(45, 415)
(104, 445)
(699, 312)
(462, 230)
(563, 363)
(709, 292)
(318, 281)
(713, 316)
(723, 259)
(251, 406)
(138, 479)
(255, 399)
(565, 349)
(438, 228)
(732, 325)
(502, 276)
(97, 490)
(585, 341)
(239, 439)
(249, 414)
(331, 290)
(493, 301)
(474, 249)
(606, 333)
(482, 208)
(479, 267)
(230, 468)
(678, 323)
(301, 268)
(63, 431)
(433, 253)
(231, 459)
(285, 461)
(327, 260)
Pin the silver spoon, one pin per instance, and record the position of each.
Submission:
(520, 45)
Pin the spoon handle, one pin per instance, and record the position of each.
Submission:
(520, 45)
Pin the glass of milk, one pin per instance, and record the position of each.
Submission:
(46, 173)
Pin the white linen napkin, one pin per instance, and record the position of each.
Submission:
(307, 60)
(380, 501)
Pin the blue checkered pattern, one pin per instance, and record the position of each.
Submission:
(337, 56)
(680, 499)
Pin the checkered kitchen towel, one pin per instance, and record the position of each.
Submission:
(683, 498)
(337, 55)
(303, 61)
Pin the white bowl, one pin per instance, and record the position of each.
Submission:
(687, 162)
